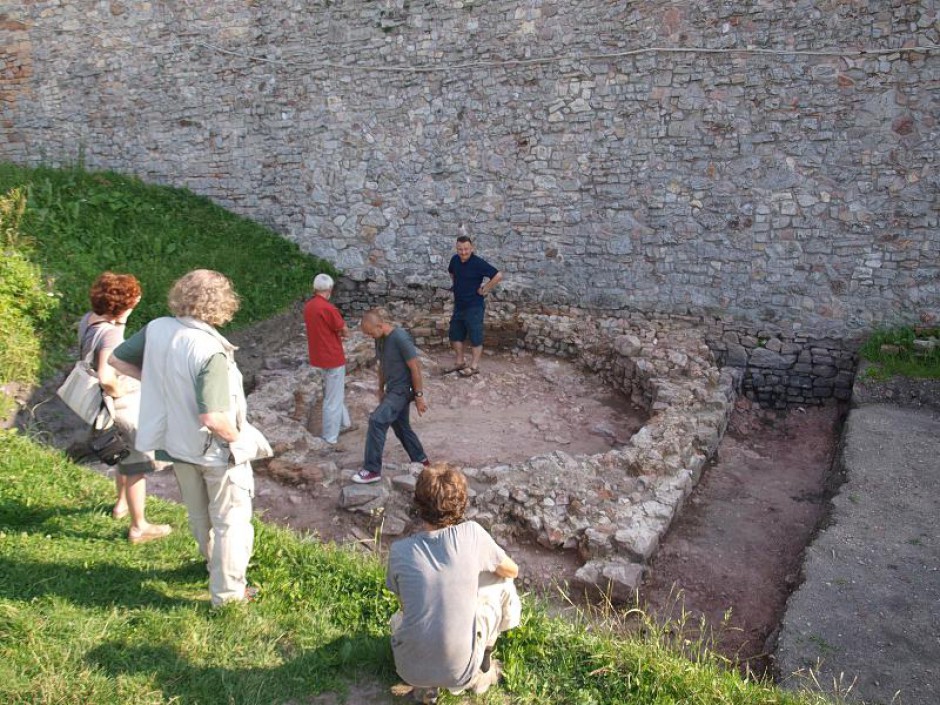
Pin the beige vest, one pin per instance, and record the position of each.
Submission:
(175, 352)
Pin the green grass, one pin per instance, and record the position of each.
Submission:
(892, 352)
(87, 618)
(79, 224)
(26, 301)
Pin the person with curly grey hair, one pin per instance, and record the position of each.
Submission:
(455, 587)
(192, 413)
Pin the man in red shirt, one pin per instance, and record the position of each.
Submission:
(326, 330)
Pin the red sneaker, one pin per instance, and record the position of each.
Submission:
(364, 477)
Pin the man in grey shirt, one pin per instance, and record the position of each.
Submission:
(455, 587)
(400, 381)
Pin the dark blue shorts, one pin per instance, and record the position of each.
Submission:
(467, 321)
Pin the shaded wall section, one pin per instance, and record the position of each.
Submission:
(771, 161)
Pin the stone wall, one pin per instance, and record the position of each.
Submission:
(779, 366)
(774, 162)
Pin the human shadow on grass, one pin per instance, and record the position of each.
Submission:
(53, 521)
(329, 668)
(21, 516)
(102, 584)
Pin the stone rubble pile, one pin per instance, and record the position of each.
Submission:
(614, 507)
(286, 391)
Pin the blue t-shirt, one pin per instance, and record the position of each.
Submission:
(468, 276)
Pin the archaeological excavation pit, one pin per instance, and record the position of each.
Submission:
(581, 437)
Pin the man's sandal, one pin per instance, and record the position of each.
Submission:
(455, 368)
(469, 372)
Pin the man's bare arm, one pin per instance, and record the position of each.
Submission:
(219, 423)
(491, 284)
(417, 384)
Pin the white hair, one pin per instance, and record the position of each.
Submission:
(322, 282)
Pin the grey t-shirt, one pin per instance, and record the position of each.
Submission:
(393, 352)
(103, 335)
(436, 575)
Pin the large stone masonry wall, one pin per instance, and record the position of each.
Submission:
(771, 161)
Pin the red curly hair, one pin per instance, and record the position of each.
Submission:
(113, 294)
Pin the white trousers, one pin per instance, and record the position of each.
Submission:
(218, 501)
(335, 413)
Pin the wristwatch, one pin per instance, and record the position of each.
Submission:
(419, 393)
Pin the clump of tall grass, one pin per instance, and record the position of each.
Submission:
(905, 351)
(26, 300)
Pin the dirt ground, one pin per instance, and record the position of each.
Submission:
(735, 552)
(520, 405)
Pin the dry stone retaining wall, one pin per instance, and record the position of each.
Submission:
(780, 366)
(611, 507)
(775, 163)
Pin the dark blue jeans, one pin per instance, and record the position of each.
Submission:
(394, 411)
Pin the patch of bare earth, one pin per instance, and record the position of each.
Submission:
(734, 554)
(518, 406)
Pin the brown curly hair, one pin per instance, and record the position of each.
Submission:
(441, 495)
(113, 294)
(205, 295)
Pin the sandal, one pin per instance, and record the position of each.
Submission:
(119, 513)
(469, 372)
(455, 368)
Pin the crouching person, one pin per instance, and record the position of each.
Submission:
(455, 587)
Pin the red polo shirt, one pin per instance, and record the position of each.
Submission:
(324, 321)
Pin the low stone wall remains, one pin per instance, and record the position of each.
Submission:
(611, 507)
(781, 366)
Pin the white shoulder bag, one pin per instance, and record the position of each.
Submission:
(81, 390)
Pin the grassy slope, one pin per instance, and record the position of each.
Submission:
(84, 223)
(86, 618)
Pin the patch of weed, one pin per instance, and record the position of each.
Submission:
(895, 352)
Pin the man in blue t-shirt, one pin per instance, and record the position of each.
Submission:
(467, 271)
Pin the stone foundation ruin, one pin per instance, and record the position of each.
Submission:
(611, 507)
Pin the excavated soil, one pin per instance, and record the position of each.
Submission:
(734, 554)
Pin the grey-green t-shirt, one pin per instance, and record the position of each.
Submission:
(436, 575)
(394, 351)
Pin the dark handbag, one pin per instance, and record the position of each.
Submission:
(108, 445)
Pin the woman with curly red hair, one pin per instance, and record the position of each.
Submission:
(113, 299)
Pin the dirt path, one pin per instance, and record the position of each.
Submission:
(737, 546)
